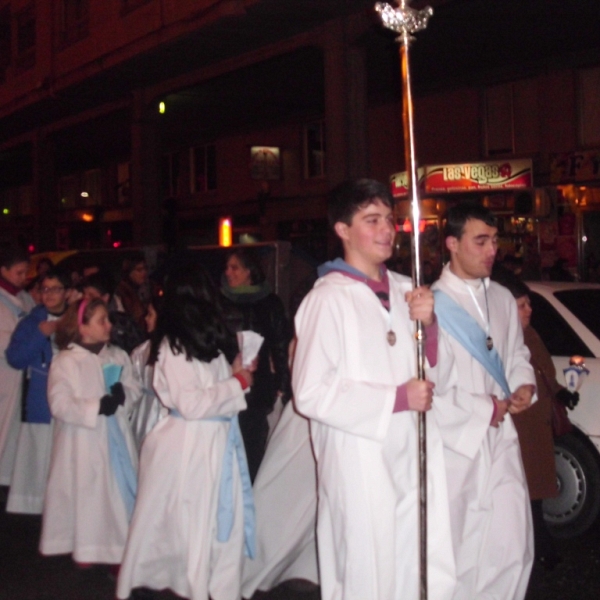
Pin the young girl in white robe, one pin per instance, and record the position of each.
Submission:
(189, 528)
(88, 497)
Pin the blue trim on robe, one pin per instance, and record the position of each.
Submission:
(120, 459)
(225, 506)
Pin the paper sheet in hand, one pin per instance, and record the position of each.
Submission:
(249, 343)
(112, 374)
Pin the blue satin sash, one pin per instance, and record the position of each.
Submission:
(225, 506)
(454, 319)
(120, 459)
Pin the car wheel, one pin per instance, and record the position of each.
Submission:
(577, 505)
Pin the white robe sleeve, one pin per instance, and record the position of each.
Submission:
(322, 391)
(66, 403)
(189, 387)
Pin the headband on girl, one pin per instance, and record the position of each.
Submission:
(80, 312)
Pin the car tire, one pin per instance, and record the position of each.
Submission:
(577, 505)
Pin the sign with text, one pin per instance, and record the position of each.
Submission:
(469, 177)
(570, 167)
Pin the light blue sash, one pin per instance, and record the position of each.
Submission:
(464, 328)
(120, 459)
(225, 507)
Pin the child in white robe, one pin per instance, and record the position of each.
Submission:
(87, 502)
(179, 539)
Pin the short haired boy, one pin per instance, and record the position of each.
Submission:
(486, 375)
(354, 378)
(31, 349)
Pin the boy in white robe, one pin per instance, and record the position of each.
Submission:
(489, 504)
(354, 378)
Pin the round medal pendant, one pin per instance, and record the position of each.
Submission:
(391, 338)
(489, 342)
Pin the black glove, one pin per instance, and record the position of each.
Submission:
(112, 401)
(116, 390)
(567, 398)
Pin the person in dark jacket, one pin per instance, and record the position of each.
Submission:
(249, 304)
(31, 350)
(125, 331)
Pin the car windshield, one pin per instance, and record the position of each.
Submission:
(584, 305)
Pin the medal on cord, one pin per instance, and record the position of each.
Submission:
(391, 335)
(489, 342)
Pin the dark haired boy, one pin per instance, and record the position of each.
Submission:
(485, 376)
(31, 349)
(354, 378)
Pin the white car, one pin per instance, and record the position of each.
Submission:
(567, 317)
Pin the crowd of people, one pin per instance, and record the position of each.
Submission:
(143, 437)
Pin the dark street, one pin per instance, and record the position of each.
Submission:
(26, 575)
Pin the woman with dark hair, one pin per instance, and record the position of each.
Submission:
(250, 304)
(132, 287)
(534, 425)
(194, 513)
(15, 303)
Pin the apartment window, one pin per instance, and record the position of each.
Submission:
(74, 21)
(314, 149)
(589, 103)
(80, 190)
(5, 41)
(124, 183)
(499, 120)
(129, 5)
(203, 168)
(25, 25)
(171, 174)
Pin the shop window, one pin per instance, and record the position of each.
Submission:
(203, 168)
(5, 41)
(589, 115)
(74, 21)
(25, 24)
(499, 120)
(314, 149)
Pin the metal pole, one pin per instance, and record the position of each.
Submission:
(404, 21)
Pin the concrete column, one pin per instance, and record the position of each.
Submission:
(345, 104)
(45, 198)
(145, 178)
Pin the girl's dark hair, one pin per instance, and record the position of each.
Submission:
(249, 260)
(515, 285)
(191, 317)
(67, 328)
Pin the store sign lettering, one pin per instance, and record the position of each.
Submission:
(478, 173)
(575, 166)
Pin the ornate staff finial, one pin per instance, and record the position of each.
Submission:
(404, 20)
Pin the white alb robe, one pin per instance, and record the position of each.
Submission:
(345, 379)
(10, 384)
(173, 538)
(489, 503)
(84, 512)
(285, 497)
(147, 412)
